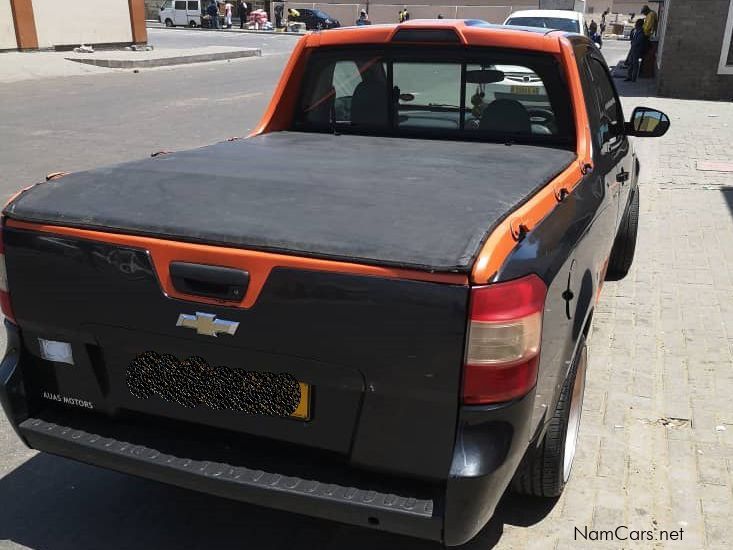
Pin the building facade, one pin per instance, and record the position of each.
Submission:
(49, 24)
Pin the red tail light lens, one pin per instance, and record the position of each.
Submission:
(504, 333)
(7, 308)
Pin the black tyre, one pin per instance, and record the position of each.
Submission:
(545, 469)
(168, 23)
(622, 253)
(192, 24)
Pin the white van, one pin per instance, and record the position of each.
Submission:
(180, 12)
(564, 20)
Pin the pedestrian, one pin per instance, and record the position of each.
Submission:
(243, 12)
(278, 16)
(638, 45)
(401, 16)
(650, 22)
(363, 19)
(228, 15)
(213, 13)
(603, 21)
(407, 15)
(593, 33)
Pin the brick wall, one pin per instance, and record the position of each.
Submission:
(693, 38)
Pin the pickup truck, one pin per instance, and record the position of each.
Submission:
(373, 310)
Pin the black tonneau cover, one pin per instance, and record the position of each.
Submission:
(413, 203)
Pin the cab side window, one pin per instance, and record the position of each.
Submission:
(180, 5)
(610, 115)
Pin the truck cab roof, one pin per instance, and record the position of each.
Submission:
(466, 32)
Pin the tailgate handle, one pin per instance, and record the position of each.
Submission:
(211, 281)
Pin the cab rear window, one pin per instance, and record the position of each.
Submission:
(484, 94)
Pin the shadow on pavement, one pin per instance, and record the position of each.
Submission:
(728, 196)
(52, 503)
(643, 87)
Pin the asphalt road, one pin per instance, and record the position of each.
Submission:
(72, 123)
(77, 122)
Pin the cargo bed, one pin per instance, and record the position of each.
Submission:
(421, 204)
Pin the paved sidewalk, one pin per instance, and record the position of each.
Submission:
(656, 441)
(161, 58)
(17, 66)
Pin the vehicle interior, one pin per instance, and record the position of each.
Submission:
(488, 95)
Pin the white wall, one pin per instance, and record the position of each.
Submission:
(7, 30)
(74, 22)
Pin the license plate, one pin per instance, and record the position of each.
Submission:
(303, 410)
(193, 383)
(526, 90)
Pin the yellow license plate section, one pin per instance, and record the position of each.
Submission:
(303, 412)
(526, 90)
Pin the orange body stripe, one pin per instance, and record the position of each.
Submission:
(258, 264)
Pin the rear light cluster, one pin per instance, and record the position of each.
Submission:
(4, 291)
(504, 333)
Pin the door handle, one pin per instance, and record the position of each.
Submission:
(211, 281)
(622, 177)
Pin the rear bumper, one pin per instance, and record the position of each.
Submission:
(398, 514)
(489, 446)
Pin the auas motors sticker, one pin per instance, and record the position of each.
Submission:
(68, 400)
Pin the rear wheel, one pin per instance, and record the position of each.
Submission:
(545, 469)
(168, 23)
(622, 253)
(192, 24)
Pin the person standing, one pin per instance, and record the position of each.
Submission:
(407, 15)
(213, 12)
(638, 44)
(603, 21)
(650, 22)
(278, 16)
(401, 16)
(228, 15)
(243, 12)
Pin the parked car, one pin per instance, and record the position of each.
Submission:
(563, 20)
(180, 12)
(388, 330)
(314, 19)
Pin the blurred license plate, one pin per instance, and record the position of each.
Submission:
(526, 90)
(303, 412)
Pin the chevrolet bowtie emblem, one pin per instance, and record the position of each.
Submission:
(207, 324)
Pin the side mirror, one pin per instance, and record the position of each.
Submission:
(646, 122)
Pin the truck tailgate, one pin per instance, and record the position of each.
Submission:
(382, 356)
